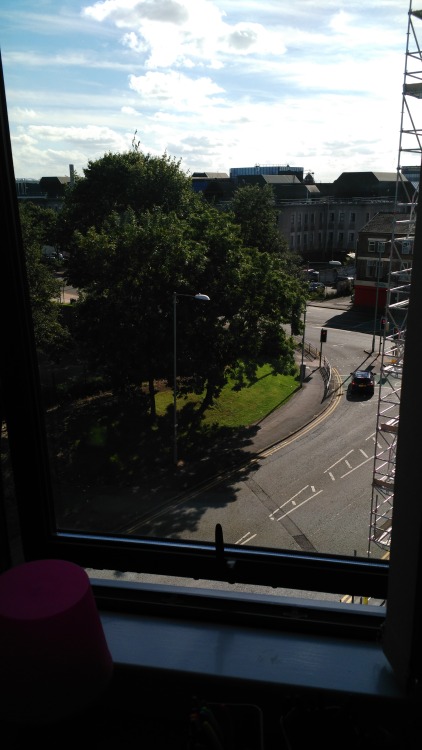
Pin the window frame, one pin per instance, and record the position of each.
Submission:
(375, 245)
(20, 400)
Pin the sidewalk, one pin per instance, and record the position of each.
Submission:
(302, 408)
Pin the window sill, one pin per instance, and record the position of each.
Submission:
(276, 654)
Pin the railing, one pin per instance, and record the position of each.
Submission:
(313, 353)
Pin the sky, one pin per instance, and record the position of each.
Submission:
(215, 84)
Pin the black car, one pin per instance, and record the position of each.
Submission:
(362, 382)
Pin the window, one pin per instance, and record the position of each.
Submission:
(376, 246)
(372, 270)
(44, 532)
(406, 247)
(352, 217)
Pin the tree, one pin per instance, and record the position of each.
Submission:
(38, 228)
(117, 182)
(128, 263)
(256, 212)
(254, 296)
(124, 316)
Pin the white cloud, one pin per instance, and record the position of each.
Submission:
(218, 83)
(174, 90)
(89, 134)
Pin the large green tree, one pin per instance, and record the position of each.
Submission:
(128, 263)
(117, 182)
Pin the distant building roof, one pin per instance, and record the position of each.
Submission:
(215, 186)
(281, 179)
(211, 175)
(286, 187)
(371, 185)
(54, 186)
(381, 223)
(63, 180)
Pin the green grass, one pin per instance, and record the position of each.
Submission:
(103, 439)
(238, 408)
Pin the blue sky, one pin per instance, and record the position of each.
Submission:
(214, 83)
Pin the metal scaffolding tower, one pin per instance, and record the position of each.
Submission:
(398, 292)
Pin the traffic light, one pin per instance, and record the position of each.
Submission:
(382, 323)
(323, 335)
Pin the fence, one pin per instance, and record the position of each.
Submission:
(311, 352)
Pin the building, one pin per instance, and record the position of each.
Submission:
(373, 260)
(217, 187)
(325, 226)
(238, 173)
(47, 192)
(321, 221)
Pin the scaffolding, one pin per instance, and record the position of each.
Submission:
(398, 293)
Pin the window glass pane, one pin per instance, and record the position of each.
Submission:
(186, 392)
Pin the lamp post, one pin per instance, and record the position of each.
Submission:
(201, 298)
(303, 348)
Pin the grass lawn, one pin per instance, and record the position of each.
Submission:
(101, 439)
(237, 408)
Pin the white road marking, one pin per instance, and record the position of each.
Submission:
(246, 538)
(290, 500)
(298, 506)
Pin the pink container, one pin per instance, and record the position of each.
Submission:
(54, 658)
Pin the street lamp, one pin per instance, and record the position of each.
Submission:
(302, 368)
(201, 298)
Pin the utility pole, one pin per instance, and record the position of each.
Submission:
(303, 348)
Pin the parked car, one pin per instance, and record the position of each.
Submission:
(362, 382)
(316, 286)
